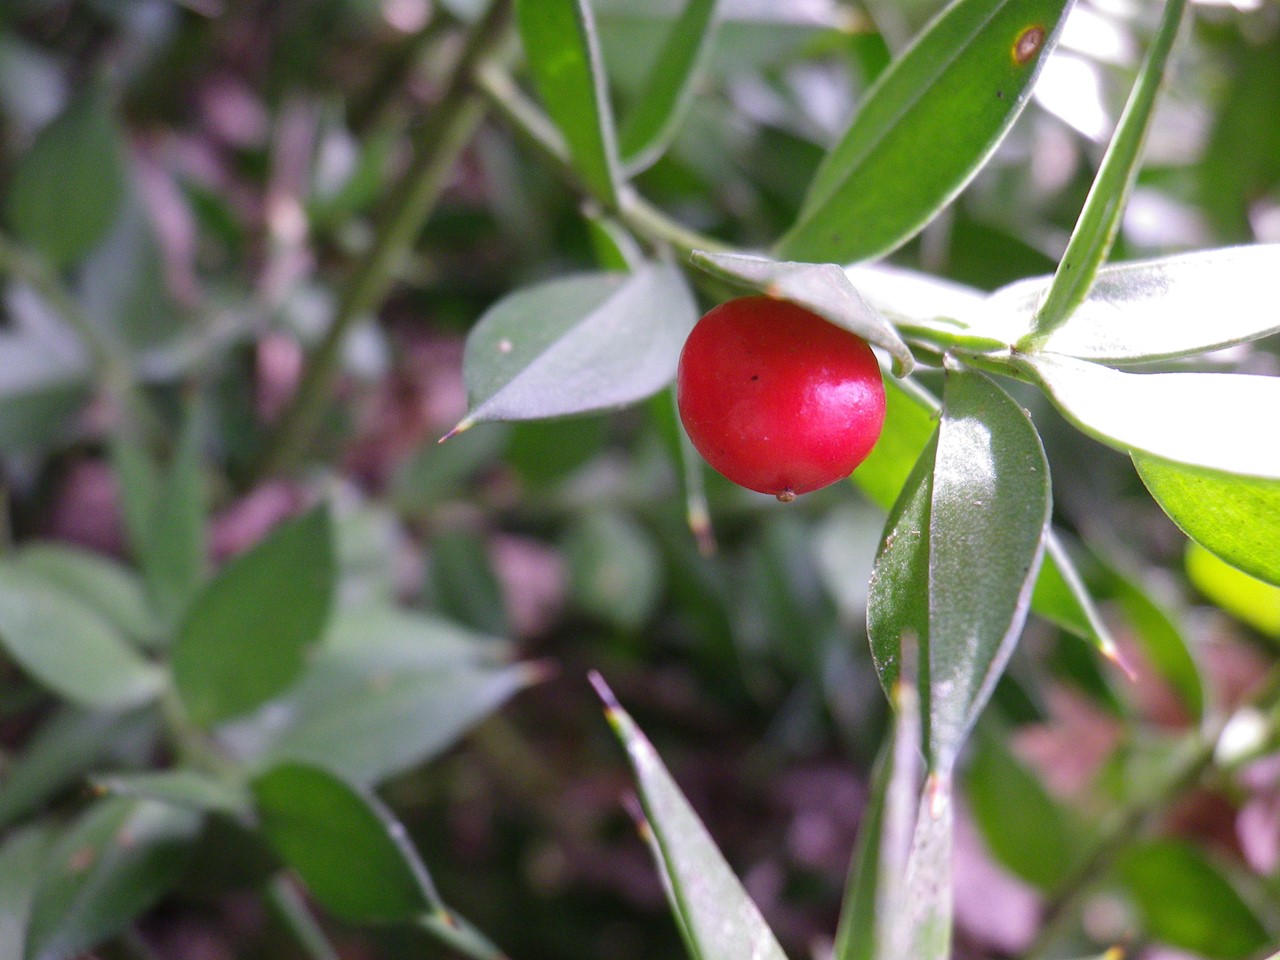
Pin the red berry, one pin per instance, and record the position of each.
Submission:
(778, 399)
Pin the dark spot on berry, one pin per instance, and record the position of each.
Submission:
(755, 376)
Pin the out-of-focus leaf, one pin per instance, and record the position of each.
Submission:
(43, 373)
(67, 187)
(33, 86)
(246, 636)
(1244, 597)
(1096, 228)
(822, 288)
(175, 555)
(925, 129)
(716, 916)
(908, 295)
(1024, 827)
(461, 582)
(1186, 902)
(68, 646)
(961, 553)
(615, 568)
(614, 247)
(560, 43)
(22, 859)
(180, 788)
(441, 471)
(577, 345)
(650, 125)
(928, 895)
(69, 744)
(349, 850)
(111, 589)
(1198, 419)
(1238, 518)
(1152, 309)
(118, 859)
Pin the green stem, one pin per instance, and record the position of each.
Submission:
(437, 145)
(290, 909)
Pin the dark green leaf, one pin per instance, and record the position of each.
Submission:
(560, 43)
(665, 93)
(352, 854)
(181, 788)
(1099, 221)
(117, 860)
(175, 557)
(67, 188)
(576, 345)
(822, 288)
(68, 646)
(925, 129)
(246, 637)
(1186, 902)
(108, 588)
(615, 569)
(718, 919)
(22, 859)
(1238, 518)
(461, 582)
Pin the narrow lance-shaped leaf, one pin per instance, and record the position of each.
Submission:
(1237, 518)
(823, 288)
(1096, 228)
(718, 918)
(22, 860)
(190, 789)
(929, 897)
(925, 129)
(563, 50)
(652, 122)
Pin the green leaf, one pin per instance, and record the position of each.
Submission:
(578, 344)
(716, 916)
(615, 569)
(1186, 902)
(907, 296)
(1025, 829)
(1099, 221)
(823, 289)
(1152, 309)
(961, 552)
(1247, 599)
(1238, 518)
(560, 43)
(929, 899)
(175, 555)
(22, 859)
(68, 646)
(1196, 419)
(350, 851)
(925, 129)
(666, 92)
(189, 789)
(387, 690)
(67, 188)
(247, 635)
(461, 583)
(117, 860)
(110, 589)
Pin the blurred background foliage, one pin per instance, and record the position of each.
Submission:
(195, 179)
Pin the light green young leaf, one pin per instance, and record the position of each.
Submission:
(1237, 518)
(1246, 598)
(246, 637)
(823, 288)
(1096, 228)
(653, 120)
(1195, 419)
(560, 43)
(68, 646)
(577, 345)
(925, 129)
(718, 919)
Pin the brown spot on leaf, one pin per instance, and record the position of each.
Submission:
(1028, 44)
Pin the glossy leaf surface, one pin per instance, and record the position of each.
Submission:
(577, 345)
(925, 129)
(246, 637)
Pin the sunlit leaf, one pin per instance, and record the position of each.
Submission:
(1249, 600)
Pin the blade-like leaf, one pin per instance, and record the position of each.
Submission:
(189, 789)
(1238, 518)
(925, 129)
(349, 850)
(175, 556)
(68, 646)
(652, 122)
(822, 288)
(908, 295)
(1196, 419)
(718, 918)
(560, 43)
(22, 859)
(246, 637)
(1153, 309)
(1096, 228)
(117, 860)
(929, 898)
(577, 345)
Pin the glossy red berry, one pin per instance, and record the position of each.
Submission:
(778, 399)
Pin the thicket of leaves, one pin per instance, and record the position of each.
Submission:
(1011, 692)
